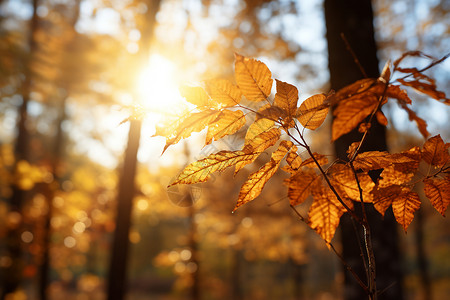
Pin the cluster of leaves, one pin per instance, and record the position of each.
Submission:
(334, 186)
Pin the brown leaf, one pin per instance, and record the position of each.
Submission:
(256, 181)
(395, 92)
(201, 170)
(438, 191)
(253, 78)
(224, 92)
(354, 90)
(228, 122)
(404, 206)
(301, 184)
(374, 160)
(421, 124)
(429, 89)
(343, 179)
(258, 127)
(381, 118)
(351, 112)
(324, 213)
(435, 152)
(385, 196)
(321, 159)
(293, 161)
(286, 98)
(313, 111)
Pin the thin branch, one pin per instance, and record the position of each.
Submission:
(355, 58)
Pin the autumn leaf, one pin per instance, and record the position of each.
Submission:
(301, 184)
(258, 127)
(404, 206)
(195, 95)
(343, 179)
(258, 144)
(351, 112)
(194, 122)
(320, 158)
(421, 124)
(224, 92)
(324, 213)
(313, 111)
(253, 78)
(293, 161)
(286, 98)
(427, 88)
(256, 181)
(438, 191)
(228, 122)
(381, 118)
(385, 196)
(435, 152)
(201, 170)
(374, 160)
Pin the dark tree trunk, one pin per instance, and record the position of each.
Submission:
(117, 279)
(12, 275)
(354, 19)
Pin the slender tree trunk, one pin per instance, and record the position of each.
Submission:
(117, 278)
(12, 275)
(354, 19)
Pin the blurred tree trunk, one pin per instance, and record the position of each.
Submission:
(117, 282)
(12, 274)
(56, 158)
(354, 19)
(422, 257)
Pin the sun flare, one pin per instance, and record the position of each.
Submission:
(157, 85)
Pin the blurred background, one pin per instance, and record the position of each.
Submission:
(71, 71)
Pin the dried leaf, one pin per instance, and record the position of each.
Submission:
(286, 98)
(201, 170)
(429, 89)
(325, 213)
(256, 181)
(228, 122)
(434, 152)
(253, 78)
(301, 184)
(293, 161)
(313, 111)
(374, 160)
(404, 206)
(438, 191)
(224, 92)
(381, 118)
(351, 112)
(385, 196)
(321, 159)
(343, 179)
(353, 90)
(386, 73)
(421, 124)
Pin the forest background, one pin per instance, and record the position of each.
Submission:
(83, 67)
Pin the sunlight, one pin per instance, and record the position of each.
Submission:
(157, 86)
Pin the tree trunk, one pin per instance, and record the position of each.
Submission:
(12, 275)
(354, 19)
(118, 264)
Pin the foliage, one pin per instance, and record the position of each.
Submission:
(334, 186)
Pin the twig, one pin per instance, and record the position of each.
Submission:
(355, 58)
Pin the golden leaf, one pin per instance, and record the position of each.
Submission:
(374, 160)
(353, 90)
(258, 144)
(253, 78)
(195, 95)
(258, 127)
(351, 112)
(228, 122)
(224, 92)
(293, 161)
(385, 196)
(404, 206)
(194, 122)
(381, 118)
(313, 111)
(256, 181)
(438, 191)
(435, 152)
(286, 98)
(300, 185)
(201, 170)
(325, 213)
(321, 159)
(343, 179)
